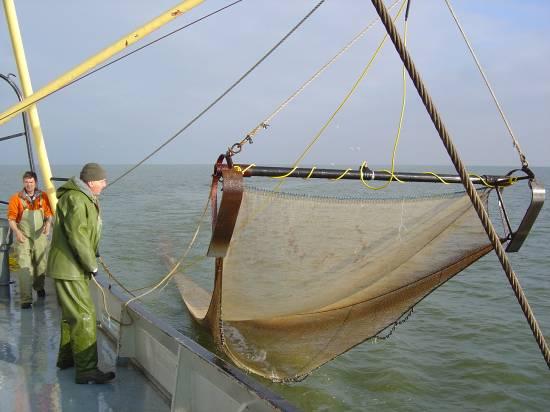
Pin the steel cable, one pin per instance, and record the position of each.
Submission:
(124, 56)
(515, 142)
(220, 97)
(461, 170)
(267, 121)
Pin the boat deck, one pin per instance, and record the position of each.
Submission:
(30, 381)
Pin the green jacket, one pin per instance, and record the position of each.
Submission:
(76, 232)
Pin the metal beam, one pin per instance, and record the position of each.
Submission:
(100, 57)
(368, 174)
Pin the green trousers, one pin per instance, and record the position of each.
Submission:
(78, 325)
(31, 256)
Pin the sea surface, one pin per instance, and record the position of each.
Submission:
(466, 346)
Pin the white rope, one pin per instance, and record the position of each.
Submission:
(104, 301)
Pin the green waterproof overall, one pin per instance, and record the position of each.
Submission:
(71, 259)
(31, 255)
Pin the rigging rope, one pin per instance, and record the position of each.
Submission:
(113, 277)
(401, 117)
(128, 54)
(236, 148)
(163, 282)
(154, 41)
(522, 157)
(348, 95)
(167, 277)
(171, 273)
(225, 93)
(460, 168)
(333, 115)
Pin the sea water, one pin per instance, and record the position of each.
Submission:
(466, 346)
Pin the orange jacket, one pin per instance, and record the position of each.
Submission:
(20, 201)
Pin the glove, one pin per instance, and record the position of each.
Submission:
(94, 273)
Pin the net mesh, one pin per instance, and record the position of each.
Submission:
(307, 278)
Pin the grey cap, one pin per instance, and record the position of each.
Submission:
(92, 172)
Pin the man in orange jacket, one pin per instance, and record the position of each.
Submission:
(29, 217)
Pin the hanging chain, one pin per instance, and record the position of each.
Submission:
(398, 322)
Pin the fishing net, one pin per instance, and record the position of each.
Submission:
(306, 278)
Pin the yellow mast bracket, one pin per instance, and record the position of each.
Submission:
(99, 58)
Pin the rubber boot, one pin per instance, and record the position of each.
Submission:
(86, 367)
(65, 356)
(94, 376)
(86, 360)
(38, 285)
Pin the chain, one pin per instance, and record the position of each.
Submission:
(237, 147)
(400, 321)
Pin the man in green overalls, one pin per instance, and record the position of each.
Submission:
(71, 263)
(29, 217)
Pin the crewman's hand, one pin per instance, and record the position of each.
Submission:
(46, 228)
(94, 273)
(20, 236)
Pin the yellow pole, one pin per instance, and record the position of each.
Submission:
(103, 55)
(20, 59)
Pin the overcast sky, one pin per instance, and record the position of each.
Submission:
(122, 113)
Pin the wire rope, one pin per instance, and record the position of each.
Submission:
(347, 97)
(155, 41)
(167, 277)
(127, 54)
(263, 125)
(220, 97)
(516, 145)
(460, 168)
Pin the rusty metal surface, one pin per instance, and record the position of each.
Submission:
(227, 214)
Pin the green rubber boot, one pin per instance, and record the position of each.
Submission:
(65, 356)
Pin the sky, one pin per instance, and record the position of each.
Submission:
(122, 113)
